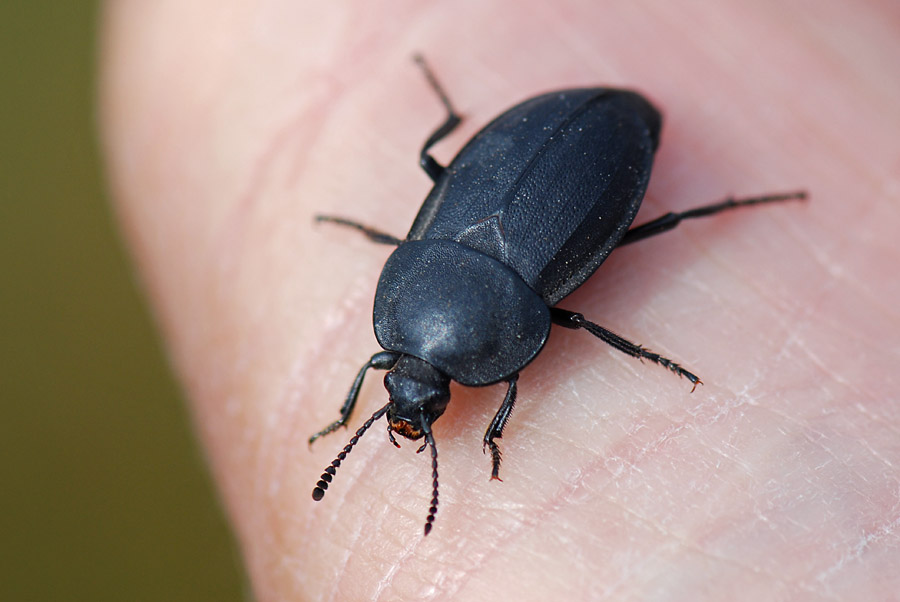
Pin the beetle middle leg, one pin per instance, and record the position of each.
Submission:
(383, 360)
(671, 220)
(428, 163)
(570, 319)
(495, 430)
(382, 238)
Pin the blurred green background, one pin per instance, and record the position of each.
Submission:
(103, 491)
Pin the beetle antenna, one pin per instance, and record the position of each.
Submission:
(429, 439)
(319, 490)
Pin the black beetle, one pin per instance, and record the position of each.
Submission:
(520, 218)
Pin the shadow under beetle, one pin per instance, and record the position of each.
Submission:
(520, 218)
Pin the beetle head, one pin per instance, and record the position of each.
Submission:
(419, 394)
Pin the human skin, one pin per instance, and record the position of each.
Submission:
(228, 126)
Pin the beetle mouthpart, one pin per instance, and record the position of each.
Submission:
(393, 440)
(318, 491)
(429, 439)
(405, 428)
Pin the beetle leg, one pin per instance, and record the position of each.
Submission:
(495, 430)
(372, 234)
(570, 319)
(670, 220)
(383, 360)
(428, 163)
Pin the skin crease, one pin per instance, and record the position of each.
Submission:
(227, 126)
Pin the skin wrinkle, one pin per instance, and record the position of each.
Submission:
(753, 569)
(355, 537)
(229, 243)
(882, 423)
(847, 277)
(705, 247)
(555, 504)
(306, 124)
(288, 432)
(558, 502)
(410, 552)
(837, 376)
(402, 561)
(225, 253)
(653, 446)
(817, 440)
(275, 449)
(551, 507)
(826, 371)
(471, 568)
(681, 542)
(883, 531)
(382, 456)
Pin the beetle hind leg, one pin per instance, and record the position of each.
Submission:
(428, 163)
(669, 221)
(570, 319)
(495, 430)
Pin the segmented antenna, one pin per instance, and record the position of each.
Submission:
(319, 491)
(429, 438)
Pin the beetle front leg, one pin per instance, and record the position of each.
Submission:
(383, 360)
(570, 319)
(495, 430)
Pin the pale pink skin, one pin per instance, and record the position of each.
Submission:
(228, 125)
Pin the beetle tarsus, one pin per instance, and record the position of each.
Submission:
(495, 460)
(328, 430)
(495, 430)
(675, 368)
